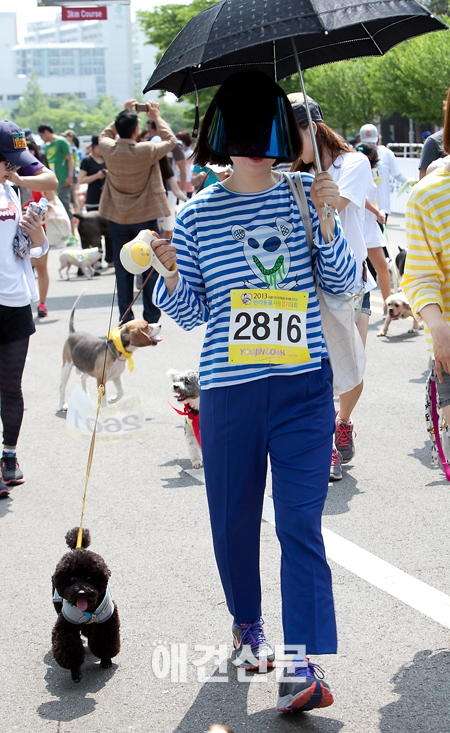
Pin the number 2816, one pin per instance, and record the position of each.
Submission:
(258, 327)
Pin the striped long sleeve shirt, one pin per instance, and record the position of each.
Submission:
(427, 269)
(227, 240)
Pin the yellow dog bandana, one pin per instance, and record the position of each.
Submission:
(117, 341)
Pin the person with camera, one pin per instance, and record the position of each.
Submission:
(133, 195)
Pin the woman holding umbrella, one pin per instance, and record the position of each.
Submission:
(244, 268)
(351, 171)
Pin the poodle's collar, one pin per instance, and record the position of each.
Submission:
(101, 614)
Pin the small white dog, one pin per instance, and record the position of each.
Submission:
(82, 258)
(186, 390)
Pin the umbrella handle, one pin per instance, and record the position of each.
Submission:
(327, 211)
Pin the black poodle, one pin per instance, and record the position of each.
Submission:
(83, 602)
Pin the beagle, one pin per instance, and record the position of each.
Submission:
(102, 359)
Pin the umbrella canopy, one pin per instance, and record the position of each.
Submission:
(236, 34)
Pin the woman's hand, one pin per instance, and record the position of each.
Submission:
(441, 347)
(167, 255)
(31, 224)
(324, 191)
(381, 216)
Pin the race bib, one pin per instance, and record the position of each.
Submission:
(117, 423)
(268, 327)
(79, 255)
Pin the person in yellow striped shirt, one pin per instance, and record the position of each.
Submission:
(426, 282)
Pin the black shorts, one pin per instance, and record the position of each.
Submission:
(15, 323)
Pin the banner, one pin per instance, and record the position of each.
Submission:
(84, 13)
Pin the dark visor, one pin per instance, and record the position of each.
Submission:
(249, 128)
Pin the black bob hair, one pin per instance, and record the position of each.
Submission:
(254, 83)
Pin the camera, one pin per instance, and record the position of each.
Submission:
(140, 107)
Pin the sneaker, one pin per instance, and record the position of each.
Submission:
(306, 691)
(11, 473)
(335, 468)
(252, 648)
(344, 439)
(42, 310)
(4, 491)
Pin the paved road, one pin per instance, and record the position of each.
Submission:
(387, 538)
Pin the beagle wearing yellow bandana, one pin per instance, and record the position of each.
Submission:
(93, 356)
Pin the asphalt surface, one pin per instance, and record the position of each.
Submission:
(148, 518)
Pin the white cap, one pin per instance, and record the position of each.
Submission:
(368, 134)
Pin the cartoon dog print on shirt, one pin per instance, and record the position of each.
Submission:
(266, 251)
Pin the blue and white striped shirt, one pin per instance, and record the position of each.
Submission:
(227, 240)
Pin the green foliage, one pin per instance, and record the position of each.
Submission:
(438, 7)
(178, 115)
(164, 22)
(347, 91)
(61, 112)
(415, 75)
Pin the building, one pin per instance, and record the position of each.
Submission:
(87, 58)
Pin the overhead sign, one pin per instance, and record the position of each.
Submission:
(86, 3)
(69, 13)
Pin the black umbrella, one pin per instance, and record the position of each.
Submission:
(236, 34)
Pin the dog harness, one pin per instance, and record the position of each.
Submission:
(72, 614)
(192, 419)
(117, 341)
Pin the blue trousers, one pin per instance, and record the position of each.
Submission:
(291, 419)
(121, 234)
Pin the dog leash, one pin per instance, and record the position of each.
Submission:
(100, 394)
(152, 270)
(435, 419)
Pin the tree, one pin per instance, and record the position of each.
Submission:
(347, 91)
(415, 76)
(35, 108)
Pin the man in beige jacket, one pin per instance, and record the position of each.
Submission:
(133, 196)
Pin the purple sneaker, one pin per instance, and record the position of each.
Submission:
(306, 691)
(252, 648)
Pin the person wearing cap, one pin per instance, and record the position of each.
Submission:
(387, 167)
(265, 381)
(59, 155)
(351, 171)
(17, 289)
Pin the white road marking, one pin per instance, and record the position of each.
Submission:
(379, 573)
(411, 591)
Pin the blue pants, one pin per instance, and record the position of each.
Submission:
(121, 234)
(291, 419)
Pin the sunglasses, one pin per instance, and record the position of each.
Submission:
(10, 167)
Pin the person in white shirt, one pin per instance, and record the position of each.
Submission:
(17, 289)
(351, 171)
(387, 166)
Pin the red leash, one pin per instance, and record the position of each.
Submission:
(435, 418)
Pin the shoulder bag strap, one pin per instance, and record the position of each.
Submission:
(298, 192)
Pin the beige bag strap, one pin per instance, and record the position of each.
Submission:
(298, 192)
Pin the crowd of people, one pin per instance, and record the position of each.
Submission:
(237, 232)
